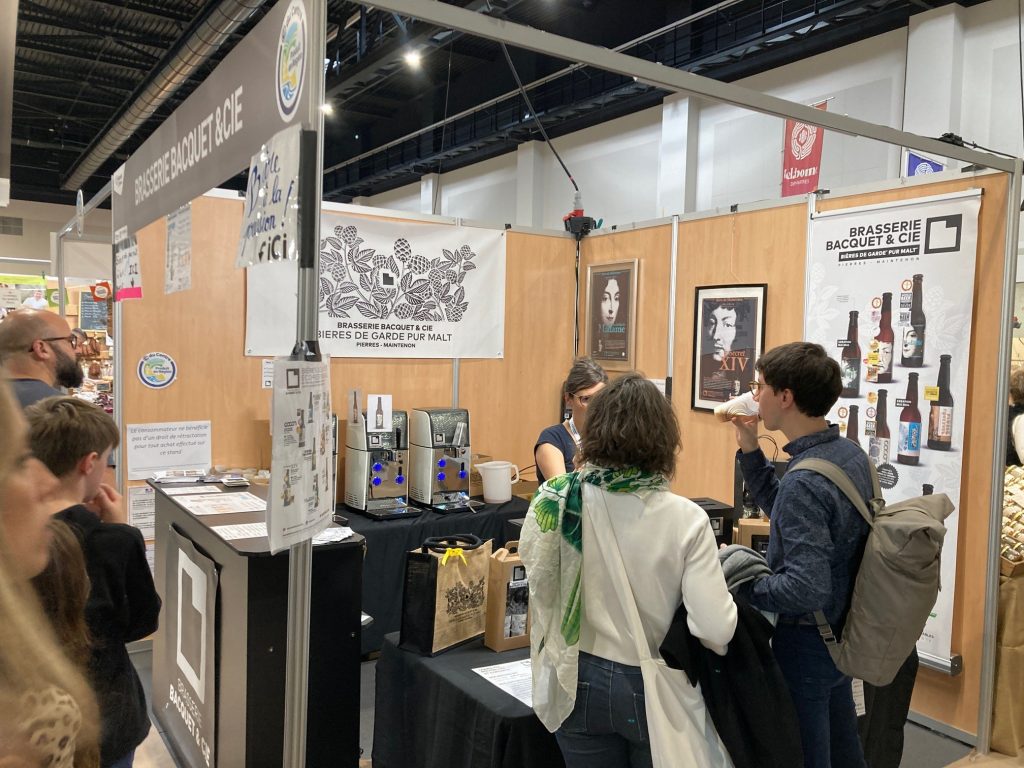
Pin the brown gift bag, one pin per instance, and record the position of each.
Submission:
(508, 600)
(445, 598)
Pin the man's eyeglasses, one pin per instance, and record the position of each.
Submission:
(72, 340)
(584, 400)
(755, 386)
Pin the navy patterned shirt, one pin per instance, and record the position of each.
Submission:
(817, 536)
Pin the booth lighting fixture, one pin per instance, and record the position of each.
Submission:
(327, 108)
(413, 59)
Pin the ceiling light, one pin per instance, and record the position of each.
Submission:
(327, 108)
(413, 59)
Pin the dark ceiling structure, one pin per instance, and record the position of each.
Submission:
(93, 78)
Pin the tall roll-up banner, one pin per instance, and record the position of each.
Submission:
(890, 295)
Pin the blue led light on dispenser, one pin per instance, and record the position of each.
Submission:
(377, 467)
(462, 474)
(440, 477)
(399, 479)
(377, 481)
(441, 462)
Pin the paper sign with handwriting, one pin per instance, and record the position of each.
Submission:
(169, 445)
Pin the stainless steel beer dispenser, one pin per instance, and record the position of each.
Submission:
(376, 469)
(439, 455)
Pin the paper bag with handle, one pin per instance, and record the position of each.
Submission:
(444, 602)
(508, 597)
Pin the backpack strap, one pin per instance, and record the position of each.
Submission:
(842, 481)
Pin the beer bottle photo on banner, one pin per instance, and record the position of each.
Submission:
(909, 449)
(882, 345)
(849, 360)
(852, 425)
(940, 417)
(878, 444)
(913, 333)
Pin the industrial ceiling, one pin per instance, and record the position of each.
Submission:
(93, 78)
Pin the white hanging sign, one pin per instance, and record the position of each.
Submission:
(270, 229)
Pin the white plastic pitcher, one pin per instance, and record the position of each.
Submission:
(497, 478)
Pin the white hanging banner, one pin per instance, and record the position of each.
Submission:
(178, 258)
(127, 273)
(301, 492)
(390, 289)
(270, 228)
(889, 294)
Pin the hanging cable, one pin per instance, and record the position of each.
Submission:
(435, 202)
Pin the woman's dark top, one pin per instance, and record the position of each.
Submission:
(1012, 460)
(559, 437)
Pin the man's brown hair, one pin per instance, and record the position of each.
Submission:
(631, 424)
(63, 430)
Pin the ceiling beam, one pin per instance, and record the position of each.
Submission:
(154, 40)
(173, 15)
(100, 57)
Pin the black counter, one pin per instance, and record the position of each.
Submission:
(436, 711)
(250, 642)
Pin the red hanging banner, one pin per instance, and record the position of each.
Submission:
(801, 156)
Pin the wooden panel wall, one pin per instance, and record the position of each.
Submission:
(770, 246)
(652, 248)
(511, 400)
(203, 329)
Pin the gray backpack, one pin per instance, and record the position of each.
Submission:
(897, 582)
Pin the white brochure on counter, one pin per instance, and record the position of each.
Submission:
(222, 503)
(514, 678)
(301, 494)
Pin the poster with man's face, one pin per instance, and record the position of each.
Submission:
(729, 340)
(610, 315)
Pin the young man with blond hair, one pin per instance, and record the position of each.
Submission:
(73, 439)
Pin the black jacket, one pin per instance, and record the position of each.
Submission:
(744, 691)
(123, 606)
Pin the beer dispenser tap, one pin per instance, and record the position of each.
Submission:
(439, 453)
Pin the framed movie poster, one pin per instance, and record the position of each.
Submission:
(611, 314)
(728, 339)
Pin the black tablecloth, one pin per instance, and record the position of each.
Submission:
(387, 541)
(438, 713)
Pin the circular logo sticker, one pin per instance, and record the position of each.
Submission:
(157, 370)
(291, 60)
(100, 292)
(923, 169)
(801, 140)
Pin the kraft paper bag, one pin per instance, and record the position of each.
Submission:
(445, 599)
(508, 596)
(1008, 711)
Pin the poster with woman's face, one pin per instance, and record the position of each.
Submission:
(729, 330)
(610, 314)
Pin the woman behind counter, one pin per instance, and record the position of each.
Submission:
(557, 445)
(647, 551)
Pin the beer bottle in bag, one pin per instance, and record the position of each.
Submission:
(849, 361)
(909, 450)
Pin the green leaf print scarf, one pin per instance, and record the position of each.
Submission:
(551, 547)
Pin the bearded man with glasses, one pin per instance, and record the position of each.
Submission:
(39, 353)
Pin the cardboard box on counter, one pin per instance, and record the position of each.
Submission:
(753, 533)
(525, 489)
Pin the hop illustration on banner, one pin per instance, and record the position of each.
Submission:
(401, 284)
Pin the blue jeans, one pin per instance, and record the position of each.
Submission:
(124, 761)
(823, 697)
(608, 726)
